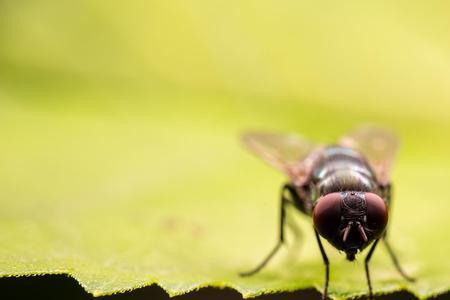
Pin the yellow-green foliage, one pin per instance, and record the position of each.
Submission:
(120, 162)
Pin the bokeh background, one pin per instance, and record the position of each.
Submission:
(120, 161)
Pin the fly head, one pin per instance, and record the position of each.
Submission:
(350, 221)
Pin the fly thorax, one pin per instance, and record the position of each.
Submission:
(345, 180)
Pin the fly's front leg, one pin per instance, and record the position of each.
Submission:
(327, 266)
(395, 260)
(387, 192)
(366, 265)
(287, 189)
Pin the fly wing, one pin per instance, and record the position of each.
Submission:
(291, 154)
(378, 145)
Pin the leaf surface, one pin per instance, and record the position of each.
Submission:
(120, 161)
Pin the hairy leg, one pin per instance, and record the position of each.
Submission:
(366, 264)
(327, 266)
(287, 189)
(395, 261)
(387, 194)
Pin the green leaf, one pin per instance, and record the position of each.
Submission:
(123, 201)
(120, 161)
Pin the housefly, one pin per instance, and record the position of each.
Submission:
(345, 188)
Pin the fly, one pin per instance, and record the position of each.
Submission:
(345, 188)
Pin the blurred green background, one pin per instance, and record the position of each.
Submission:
(120, 162)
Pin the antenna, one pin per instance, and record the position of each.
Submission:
(362, 232)
(347, 231)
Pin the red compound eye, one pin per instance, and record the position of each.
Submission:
(377, 213)
(327, 215)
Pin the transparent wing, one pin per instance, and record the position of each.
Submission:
(378, 145)
(291, 154)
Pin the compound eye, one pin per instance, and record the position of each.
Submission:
(327, 215)
(377, 213)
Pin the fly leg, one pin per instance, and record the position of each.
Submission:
(284, 202)
(366, 264)
(395, 260)
(387, 192)
(327, 266)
